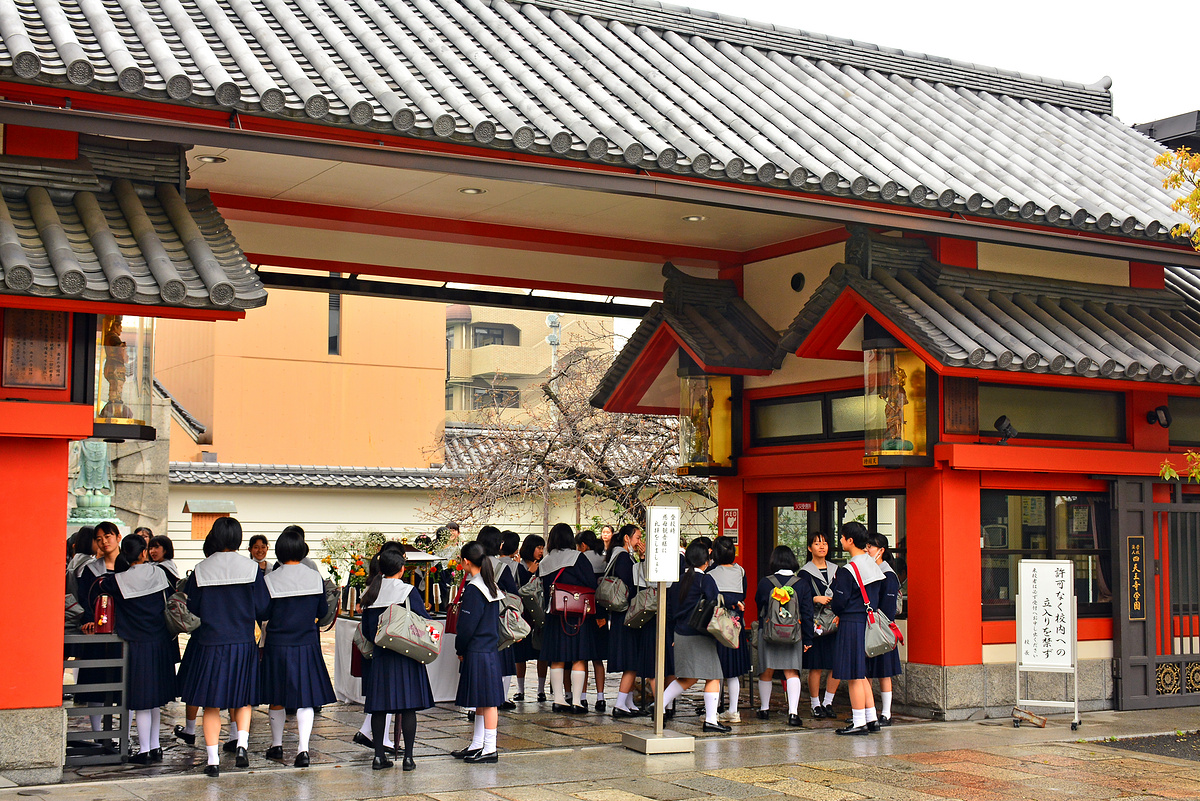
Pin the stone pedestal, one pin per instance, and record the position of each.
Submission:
(31, 745)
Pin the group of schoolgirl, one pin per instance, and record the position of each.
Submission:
(832, 603)
(221, 668)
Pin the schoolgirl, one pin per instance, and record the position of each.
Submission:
(526, 650)
(850, 657)
(505, 574)
(776, 656)
(625, 645)
(187, 731)
(730, 579)
(566, 642)
(370, 593)
(588, 542)
(161, 552)
(292, 676)
(695, 650)
(107, 539)
(139, 591)
(885, 666)
(228, 593)
(817, 575)
(395, 683)
(510, 544)
(478, 638)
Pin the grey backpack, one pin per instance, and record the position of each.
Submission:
(781, 623)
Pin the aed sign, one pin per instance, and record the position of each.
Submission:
(729, 522)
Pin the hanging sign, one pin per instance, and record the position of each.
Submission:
(662, 543)
(1137, 578)
(804, 506)
(729, 522)
(1047, 625)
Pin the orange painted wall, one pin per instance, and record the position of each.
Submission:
(277, 397)
(33, 490)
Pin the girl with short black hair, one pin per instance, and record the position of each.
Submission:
(776, 656)
(860, 575)
(525, 651)
(885, 666)
(480, 685)
(818, 573)
(625, 651)
(505, 573)
(730, 579)
(589, 544)
(566, 641)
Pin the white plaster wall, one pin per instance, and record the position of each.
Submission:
(768, 284)
(1064, 266)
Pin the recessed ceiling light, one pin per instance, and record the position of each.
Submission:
(212, 159)
(695, 218)
(472, 190)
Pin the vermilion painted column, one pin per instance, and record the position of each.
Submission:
(944, 567)
(731, 495)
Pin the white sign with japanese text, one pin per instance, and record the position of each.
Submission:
(662, 544)
(1047, 626)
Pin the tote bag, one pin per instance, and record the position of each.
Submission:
(642, 608)
(404, 632)
(724, 625)
(611, 592)
(882, 634)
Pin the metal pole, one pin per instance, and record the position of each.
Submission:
(660, 654)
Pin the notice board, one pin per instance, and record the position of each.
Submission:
(1047, 624)
(662, 543)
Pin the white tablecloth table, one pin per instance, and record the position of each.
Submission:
(443, 671)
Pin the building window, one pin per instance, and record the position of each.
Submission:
(449, 398)
(495, 397)
(1185, 421)
(1016, 526)
(1053, 413)
(335, 321)
(829, 416)
(487, 335)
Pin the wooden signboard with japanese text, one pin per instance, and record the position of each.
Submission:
(960, 405)
(35, 350)
(1137, 578)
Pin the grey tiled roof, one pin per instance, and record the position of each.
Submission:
(710, 317)
(626, 82)
(70, 230)
(1018, 323)
(197, 428)
(311, 476)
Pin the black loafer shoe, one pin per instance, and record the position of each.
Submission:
(622, 713)
(381, 763)
(519, 697)
(884, 720)
(471, 716)
(794, 720)
(563, 708)
(578, 709)
(818, 712)
(872, 726)
(364, 740)
(541, 698)
(274, 752)
(243, 758)
(181, 734)
(463, 753)
(409, 764)
(483, 759)
(829, 713)
(156, 754)
(212, 770)
(143, 758)
(763, 714)
(301, 760)
(854, 730)
(230, 747)
(582, 704)
(601, 706)
(719, 728)
(507, 706)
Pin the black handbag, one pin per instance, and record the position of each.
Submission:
(701, 615)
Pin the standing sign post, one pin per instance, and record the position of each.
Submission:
(1046, 627)
(661, 568)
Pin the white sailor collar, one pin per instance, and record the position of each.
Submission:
(478, 582)
(140, 580)
(499, 566)
(96, 567)
(615, 551)
(815, 571)
(290, 581)
(886, 568)
(728, 578)
(391, 591)
(226, 568)
(555, 561)
(867, 569)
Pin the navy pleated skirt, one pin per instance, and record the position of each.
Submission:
(735, 661)
(820, 655)
(151, 680)
(294, 677)
(480, 683)
(508, 661)
(624, 645)
(884, 666)
(524, 651)
(850, 656)
(569, 641)
(648, 643)
(395, 683)
(221, 676)
(602, 638)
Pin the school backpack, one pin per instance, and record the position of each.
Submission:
(781, 623)
(513, 627)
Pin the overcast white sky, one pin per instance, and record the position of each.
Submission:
(1081, 42)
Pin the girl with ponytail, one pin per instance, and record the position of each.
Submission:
(480, 684)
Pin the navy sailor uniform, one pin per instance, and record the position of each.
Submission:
(506, 580)
(816, 583)
(140, 594)
(395, 682)
(599, 625)
(625, 645)
(886, 665)
(88, 583)
(850, 656)
(731, 584)
(524, 651)
(480, 679)
(695, 650)
(292, 673)
(566, 639)
(228, 593)
(776, 656)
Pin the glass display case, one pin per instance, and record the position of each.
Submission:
(894, 395)
(705, 424)
(124, 377)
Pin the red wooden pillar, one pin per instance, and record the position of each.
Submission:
(945, 570)
(731, 495)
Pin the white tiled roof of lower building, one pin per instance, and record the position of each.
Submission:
(634, 83)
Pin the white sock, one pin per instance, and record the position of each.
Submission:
(828, 699)
(304, 723)
(872, 715)
(793, 695)
(243, 738)
(489, 741)
(578, 683)
(477, 738)
(142, 716)
(815, 700)
(673, 691)
(213, 759)
(365, 729)
(556, 685)
(155, 725)
(710, 706)
(277, 718)
(733, 689)
(389, 740)
(764, 694)
(885, 700)
(189, 726)
(858, 717)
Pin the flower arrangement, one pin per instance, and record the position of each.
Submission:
(358, 572)
(457, 571)
(334, 574)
